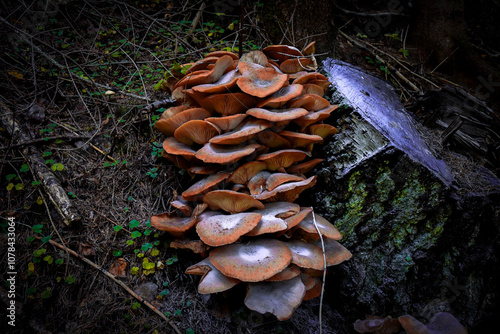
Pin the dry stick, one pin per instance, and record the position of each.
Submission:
(54, 190)
(388, 55)
(53, 225)
(445, 59)
(360, 44)
(113, 277)
(196, 20)
(324, 271)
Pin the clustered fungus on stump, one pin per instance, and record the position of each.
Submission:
(246, 128)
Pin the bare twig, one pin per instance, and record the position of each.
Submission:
(120, 283)
(365, 45)
(324, 271)
(52, 187)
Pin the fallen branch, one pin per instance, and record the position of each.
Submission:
(159, 104)
(120, 283)
(54, 190)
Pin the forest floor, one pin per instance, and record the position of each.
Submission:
(78, 76)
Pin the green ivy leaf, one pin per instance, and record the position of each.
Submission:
(117, 228)
(136, 234)
(37, 228)
(133, 224)
(70, 279)
(117, 253)
(24, 168)
(46, 294)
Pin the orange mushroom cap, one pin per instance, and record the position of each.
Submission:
(171, 223)
(220, 230)
(279, 98)
(311, 102)
(221, 54)
(325, 227)
(309, 49)
(197, 246)
(231, 201)
(286, 192)
(261, 82)
(272, 217)
(272, 140)
(313, 89)
(298, 139)
(288, 273)
(182, 205)
(314, 117)
(245, 172)
(303, 167)
(306, 255)
(441, 323)
(167, 113)
(204, 77)
(243, 132)
(322, 130)
(307, 77)
(277, 179)
(280, 53)
(295, 65)
(277, 115)
(196, 131)
(223, 85)
(227, 123)
(173, 146)
(282, 158)
(253, 261)
(204, 185)
(257, 184)
(257, 57)
(169, 125)
(213, 280)
(224, 154)
(335, 252)
(374, 324)
(227, 104)
(314, 291)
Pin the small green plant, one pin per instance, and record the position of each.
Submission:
(70, 279)
(117, 253)
(153, 172)
(157, 149)
(46, 294)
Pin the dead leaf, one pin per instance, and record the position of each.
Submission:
(86, 249)
(118, 268)
(15, 74)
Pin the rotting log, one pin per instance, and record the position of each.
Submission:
(423, 239)
(52, 187)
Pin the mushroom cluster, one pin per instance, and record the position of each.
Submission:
(245, 128)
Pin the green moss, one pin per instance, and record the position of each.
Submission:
(355, 210)
(407, 204)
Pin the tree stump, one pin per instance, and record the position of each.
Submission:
(422, 240)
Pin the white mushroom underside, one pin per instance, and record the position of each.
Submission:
(278, 298)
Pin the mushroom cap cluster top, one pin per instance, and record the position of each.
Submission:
(245, 130)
